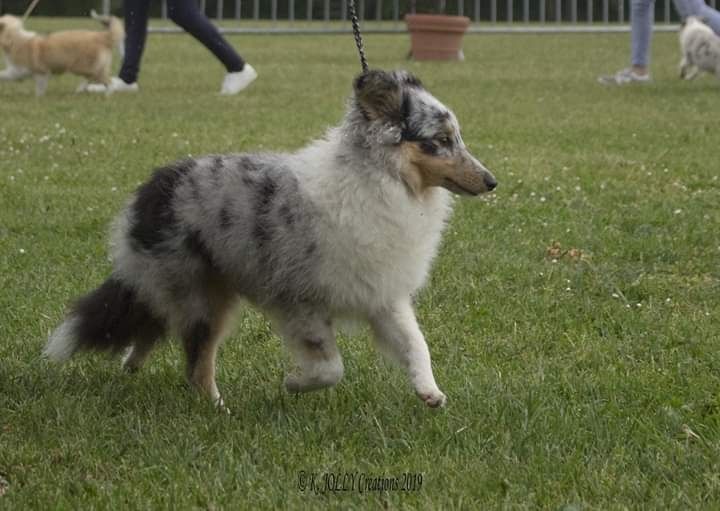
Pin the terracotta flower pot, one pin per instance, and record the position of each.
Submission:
(436, 36)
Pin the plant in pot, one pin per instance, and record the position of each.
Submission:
(435, 36)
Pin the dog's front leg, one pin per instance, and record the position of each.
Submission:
(692, 73)
(41, 84)
(399, 335)
(310, 339)
(683, 67)
(688, 70)
(13, 73)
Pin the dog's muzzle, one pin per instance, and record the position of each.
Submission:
(471, 177)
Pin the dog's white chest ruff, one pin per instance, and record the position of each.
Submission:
(378, 243)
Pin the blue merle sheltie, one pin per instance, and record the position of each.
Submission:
(345, 227)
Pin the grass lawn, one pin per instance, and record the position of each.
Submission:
(574, 381)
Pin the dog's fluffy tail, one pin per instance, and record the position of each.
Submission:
(115, 29)
(106, 319)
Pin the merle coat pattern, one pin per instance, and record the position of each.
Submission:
(346, 227)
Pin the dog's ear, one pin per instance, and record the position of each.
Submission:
(2, 26)
(379, 96)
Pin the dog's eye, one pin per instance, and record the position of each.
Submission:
(443, 140)
(429, 147)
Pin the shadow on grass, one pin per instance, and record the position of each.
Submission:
(94, 386)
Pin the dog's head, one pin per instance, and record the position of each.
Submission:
(691, 21)
(9, 26)
(425, 132)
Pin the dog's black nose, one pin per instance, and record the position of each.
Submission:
(490, 183)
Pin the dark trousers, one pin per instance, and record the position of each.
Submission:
(187, 15)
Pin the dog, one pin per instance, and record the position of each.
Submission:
(83, 52)
(700, 48)
(346, 227)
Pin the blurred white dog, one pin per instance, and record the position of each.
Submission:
(700, 48)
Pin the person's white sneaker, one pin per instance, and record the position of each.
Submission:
(624, 77)
(235, 82)
(116, 85)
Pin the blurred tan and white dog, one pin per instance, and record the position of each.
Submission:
(700, 48)
(86, 53)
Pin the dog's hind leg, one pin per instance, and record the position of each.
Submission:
(310, 339)
(82, 87)
(202, 333)
(692, 73)
(139, 351)
(398, 334)
(103, 75)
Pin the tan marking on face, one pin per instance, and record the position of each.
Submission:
(458, 173)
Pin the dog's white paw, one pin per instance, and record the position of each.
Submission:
(220, 405)
(434, 399)
(296, 384)
(293, 384)
(126, 362)
(319, 377)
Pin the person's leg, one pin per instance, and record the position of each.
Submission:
(641, 18)
(187, 15)
(641, 24)
(683, 8)
(136, 22)
(700, 9)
